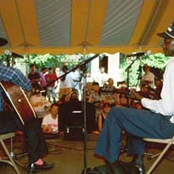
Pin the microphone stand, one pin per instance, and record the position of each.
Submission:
(124, 149)
(128, 75)
(82, 67)
(84, 123)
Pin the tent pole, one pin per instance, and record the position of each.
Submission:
(84, 112)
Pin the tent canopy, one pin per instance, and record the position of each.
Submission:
(72, 26)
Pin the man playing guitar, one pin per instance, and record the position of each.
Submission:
(9, 122)
(157, 121)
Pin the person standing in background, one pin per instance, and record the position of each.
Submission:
(66, 82)
(34, 77)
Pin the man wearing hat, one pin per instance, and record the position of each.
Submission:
(157, 121)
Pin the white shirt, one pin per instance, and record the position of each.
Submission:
(165, 105)
(68, 82)
(50, 121)
(101, 78)
(76, 79)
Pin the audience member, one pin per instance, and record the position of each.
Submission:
(158, 87)
(149, 77)
(39, 102)
(34, 77)
(122, 95)
(108, 91)
(57, 71)
(102, 77)
(66, 82)
(96, 99)
(76, 76)
(43, 73)
(51, 79)
(88, 91)
(50, 121)
(67, 117)
(102, 116)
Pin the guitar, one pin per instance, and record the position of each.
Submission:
(19, 102)
(149, 93)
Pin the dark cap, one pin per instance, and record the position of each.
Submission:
(169, 34)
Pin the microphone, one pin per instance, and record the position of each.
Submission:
(7, 53)
(147, 53)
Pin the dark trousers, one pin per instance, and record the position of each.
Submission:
(36, 144)
(137, 124)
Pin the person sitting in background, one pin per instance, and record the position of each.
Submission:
(122, 94)
(64, 98)
(39, 102)
(158, 87)
(102, 116)
(88, 91)
(50, 121)
(108, 91)
(66, 116)
(149, 77)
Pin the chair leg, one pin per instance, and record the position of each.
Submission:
(14, 156)
(11, 162)
(160, 156)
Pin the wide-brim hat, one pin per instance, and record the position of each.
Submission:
(169, 34)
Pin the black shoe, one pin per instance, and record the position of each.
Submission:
(138, 162)
(35, 167)
(141, 168)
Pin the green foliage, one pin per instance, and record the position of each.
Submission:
(53, 61)
(157, 62)
(47, 60)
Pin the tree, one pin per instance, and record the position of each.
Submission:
(157, 62)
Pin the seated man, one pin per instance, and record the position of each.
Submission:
(156, 122)
(50, 121)
(9, 122)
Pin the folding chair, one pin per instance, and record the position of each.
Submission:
(10, 160)
(169, 142)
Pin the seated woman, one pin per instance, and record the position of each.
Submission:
(50, 121)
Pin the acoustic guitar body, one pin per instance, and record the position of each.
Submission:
(19, 102)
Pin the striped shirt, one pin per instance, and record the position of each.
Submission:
(14, 75)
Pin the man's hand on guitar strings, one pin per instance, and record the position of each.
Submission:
(135, 95)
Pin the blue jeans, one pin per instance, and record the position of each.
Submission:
(138, 124)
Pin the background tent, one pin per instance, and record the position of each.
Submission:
(69, 26)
